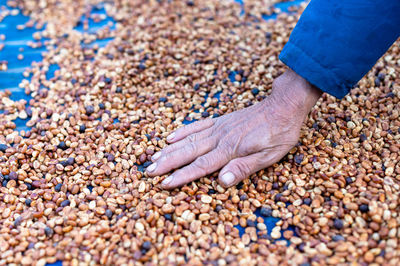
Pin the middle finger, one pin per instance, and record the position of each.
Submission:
(193, 138)
(182, 156)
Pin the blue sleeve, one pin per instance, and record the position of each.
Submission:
(336, 42)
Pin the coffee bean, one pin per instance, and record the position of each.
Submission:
(251, 223)
(349, 180)
(364, 208)
(307, 201)
(255, 91)
(338, 224)
(65, 203)
(82, 129)
(3, 147)
(146, 245)
(13, 175)
(58, 187)
(62, 146)
(48, 231)
(109, 214)
(89, 110)
(266, 212)
(337, 238)
(28, 202)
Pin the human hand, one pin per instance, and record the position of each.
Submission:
(242, 142)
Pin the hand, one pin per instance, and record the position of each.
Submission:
(242, 142)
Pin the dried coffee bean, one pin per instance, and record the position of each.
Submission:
(266, 212)
(3, 147)
(89, 110)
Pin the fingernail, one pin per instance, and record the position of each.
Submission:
(171, 136)
(167, 180)
(156, 156)
(151, 167)
(228, 178)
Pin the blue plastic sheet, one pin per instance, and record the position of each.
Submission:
(16, 43)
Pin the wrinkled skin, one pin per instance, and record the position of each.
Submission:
(242, 142)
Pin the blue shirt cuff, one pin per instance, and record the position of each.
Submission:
(308, 68)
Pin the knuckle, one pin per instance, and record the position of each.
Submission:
(190, 148)
(195, 125)
(202, 163)
(211, 122)
(241, 168)
(224, 129)
(192, 138)
(166, 158)
(181, 130)
(226, 146)
(190, 127)
(198, 123)
(168, 149)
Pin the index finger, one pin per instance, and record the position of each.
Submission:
(202, 166)
(185, 131)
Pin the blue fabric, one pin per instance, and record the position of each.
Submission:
(336, 42)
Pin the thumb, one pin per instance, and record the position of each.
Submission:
(240, 168)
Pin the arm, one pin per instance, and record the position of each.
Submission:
(335, 43)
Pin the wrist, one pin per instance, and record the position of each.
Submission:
(293, 93)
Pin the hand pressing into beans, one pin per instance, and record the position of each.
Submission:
(240, 143)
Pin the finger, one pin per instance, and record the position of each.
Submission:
(180, 157)
(202, 166)
(185, 131)
(241, 168)
(193, 138)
